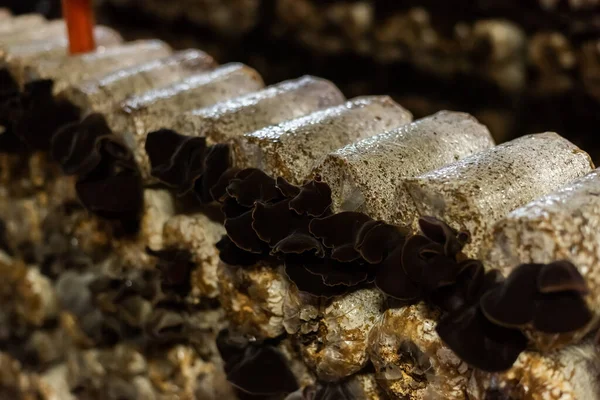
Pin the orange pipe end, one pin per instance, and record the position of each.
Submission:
(79, 17)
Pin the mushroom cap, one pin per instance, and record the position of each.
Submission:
(274, 222)
(255, 367)
(231, 254)
(74, 146)
(392, 280)
(240, 231)
(314, 198)
(338, 232)
(547, 296)
(479, 342)
(251, 185)
(176, 160)
(323, 277)
(561, 313)
(561, 276)
(512, 303)
(376, 240)
(440, 232)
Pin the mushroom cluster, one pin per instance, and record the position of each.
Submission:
(257, 369)
(326, 255)
(547, 297)
(108, 180)
(186, 163)
(544, 297)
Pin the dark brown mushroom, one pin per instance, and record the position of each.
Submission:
(376, 240)
(231, 254)
(561, 276)
(239, 229)
(274, 222)
(217, 162)
(392, 280)
(218, 191)
(426, 263)
(113, 189)
(177, 160)
(287, 189)
(465, 290)
(108, 181)
(413, 262)
(336, 273)
(512, 303)
(339, 232)
(255, 367)
(251, 185)
(314, 198)
(561, 313)
(309, 274)
(441, 233)
(520, 301)
(298, 243)
(75, 146)
(479, 342)
(232, 209)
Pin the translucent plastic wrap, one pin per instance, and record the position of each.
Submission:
(74, 69)
(275, 104)
(156, 109)
(274, 149)
(41, 31)
(22, 23)
(563, 225)
(18, 55)
(103, 93)
(474, 193)
(365, 176)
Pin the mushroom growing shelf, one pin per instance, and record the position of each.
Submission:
(175, 228)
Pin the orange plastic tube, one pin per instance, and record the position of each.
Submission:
(79, 17)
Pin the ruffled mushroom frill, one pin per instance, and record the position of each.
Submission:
(108, 181)
(186, 163)
(256, 368)
(148, 307)
(326, 255)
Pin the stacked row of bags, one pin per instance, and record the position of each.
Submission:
(173, 228)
